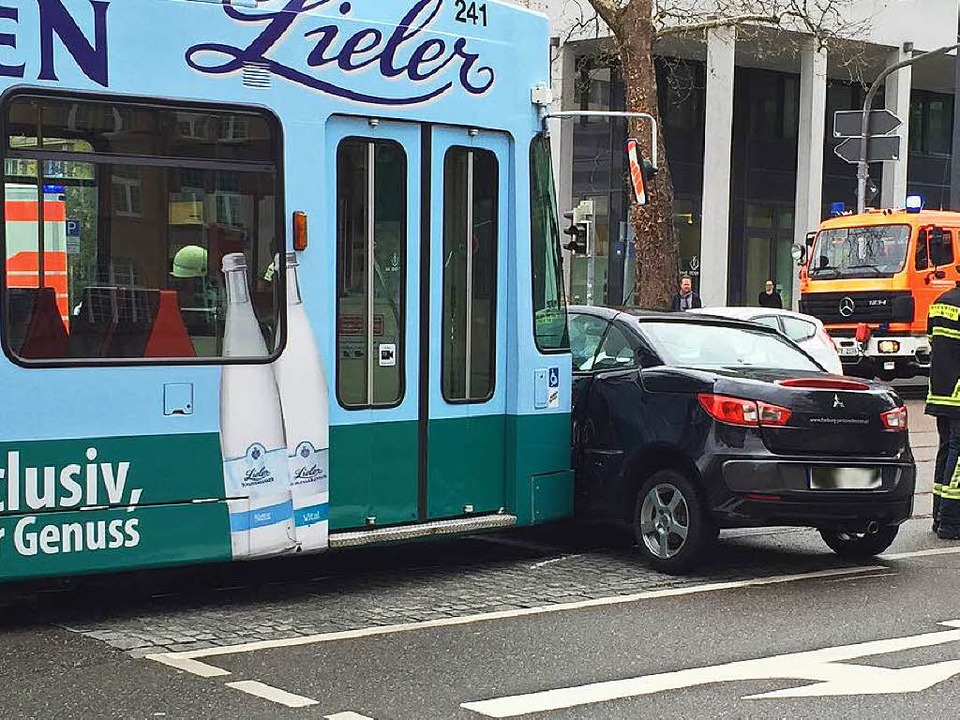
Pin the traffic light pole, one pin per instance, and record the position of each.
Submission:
(566, 114)
(590, 266)
(863, 170)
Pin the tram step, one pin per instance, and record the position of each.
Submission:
(397, 533)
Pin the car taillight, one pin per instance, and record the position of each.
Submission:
(895, 419)
(773, 415)
(745, 413)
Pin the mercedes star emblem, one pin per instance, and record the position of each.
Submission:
(847, 306)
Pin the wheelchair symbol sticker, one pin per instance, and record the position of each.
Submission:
(553, 395)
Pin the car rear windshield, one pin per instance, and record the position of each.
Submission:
(710, 346)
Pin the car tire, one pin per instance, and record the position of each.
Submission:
(670, 525)
(860, 546)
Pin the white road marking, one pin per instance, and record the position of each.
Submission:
(347, 716)
(831, 676)
(175, 659)
(953, 550)
(858, 578)
(281, 697)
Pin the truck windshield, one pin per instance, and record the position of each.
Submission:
(860, 252)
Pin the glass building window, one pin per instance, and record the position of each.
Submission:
(470, 233)
(105, 261)
(371, 257)
(931, 123)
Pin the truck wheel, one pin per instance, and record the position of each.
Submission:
(670, 525)
(860, 546)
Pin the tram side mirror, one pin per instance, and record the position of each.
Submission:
(799, 253)
(810, 237)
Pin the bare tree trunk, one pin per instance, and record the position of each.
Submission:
(656, 242)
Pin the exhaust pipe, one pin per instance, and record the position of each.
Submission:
(873, 527)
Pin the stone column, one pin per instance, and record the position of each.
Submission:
(897, 96)
(718, 146)
(813, 107)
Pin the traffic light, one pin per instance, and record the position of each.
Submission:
(578, 232)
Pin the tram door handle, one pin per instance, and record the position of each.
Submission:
(178, 399)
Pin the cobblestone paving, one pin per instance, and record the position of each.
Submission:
(194, 608)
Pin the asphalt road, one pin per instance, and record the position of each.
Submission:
(544, 624)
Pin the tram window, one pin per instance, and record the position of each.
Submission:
(116, 224)
(470, 229)
(371, 256)
(549, 302)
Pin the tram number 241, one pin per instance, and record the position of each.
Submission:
(471, 12)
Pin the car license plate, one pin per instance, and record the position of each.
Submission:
(841, 478)
(848, 351)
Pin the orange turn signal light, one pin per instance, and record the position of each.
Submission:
(299, 230)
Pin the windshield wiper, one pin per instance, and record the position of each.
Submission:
(817, 272)
(877, 271)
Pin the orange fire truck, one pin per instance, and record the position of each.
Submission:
(871, 278)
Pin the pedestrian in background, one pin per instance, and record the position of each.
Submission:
(686, 299)
(943, 402)
(769, 297)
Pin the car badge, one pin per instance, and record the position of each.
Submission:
(847, 306)
(837, 402)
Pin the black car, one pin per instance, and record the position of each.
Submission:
(683, 425)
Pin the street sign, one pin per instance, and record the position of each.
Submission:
(879, 149)
(73, 228)
(847, 123)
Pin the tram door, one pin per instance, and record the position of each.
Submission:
(374, 413)
(466, 427)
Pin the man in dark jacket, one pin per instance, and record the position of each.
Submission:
(943, 402)
(686, 299)
(769, 297)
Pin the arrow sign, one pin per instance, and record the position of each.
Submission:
(828, 671)
(847, 123)
(879, 149)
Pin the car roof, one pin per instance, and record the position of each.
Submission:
(747, 313)
(660, 316)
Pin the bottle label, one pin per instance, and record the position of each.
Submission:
(259, 472)
(261, 517)
(309, 469)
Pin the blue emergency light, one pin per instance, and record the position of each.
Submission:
(915, 203)
(837, 209)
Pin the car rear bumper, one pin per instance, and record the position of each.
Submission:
(774, 491)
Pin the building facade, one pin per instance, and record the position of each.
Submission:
(747, 118)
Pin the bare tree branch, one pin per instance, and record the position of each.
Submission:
(717, 23)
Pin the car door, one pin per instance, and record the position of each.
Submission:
(611, 408)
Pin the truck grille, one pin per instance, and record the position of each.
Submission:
(857, 307)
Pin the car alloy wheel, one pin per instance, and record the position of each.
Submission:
(670, 526)
(664, 520)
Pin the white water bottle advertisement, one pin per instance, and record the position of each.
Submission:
(252, 440)
(304, 400)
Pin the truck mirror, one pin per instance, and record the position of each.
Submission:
(811, 236)
(799, 253)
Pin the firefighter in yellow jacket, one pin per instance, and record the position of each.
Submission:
(943, 402)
